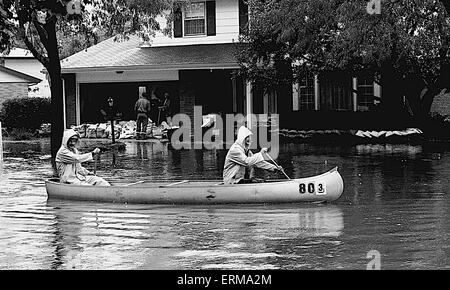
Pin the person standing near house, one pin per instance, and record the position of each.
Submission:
(239, 158)
(155, 104)
(68, 162)
(166, 113)
(142, 109)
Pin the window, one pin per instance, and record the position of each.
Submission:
(306, 93)
(195, 19)
(336, 92)
(365, 93)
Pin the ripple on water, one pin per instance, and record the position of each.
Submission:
(398, 207)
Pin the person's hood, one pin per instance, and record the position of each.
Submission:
(242, 134)
(67, 135)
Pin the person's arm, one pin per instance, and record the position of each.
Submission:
(266, 165)
(67, 156)
(238, 156)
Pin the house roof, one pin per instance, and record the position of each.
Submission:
(27, 78)
(17, 52)
(113, 55)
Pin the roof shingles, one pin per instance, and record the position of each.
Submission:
(113, 54)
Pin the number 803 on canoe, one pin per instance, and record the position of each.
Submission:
(317, 188)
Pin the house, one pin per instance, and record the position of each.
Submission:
(21, 75)
(196, 66)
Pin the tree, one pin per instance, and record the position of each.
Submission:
(405, 47)
(37, 24)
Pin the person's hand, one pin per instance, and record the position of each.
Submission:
(278, 168)
(96, 151)
(263, 150)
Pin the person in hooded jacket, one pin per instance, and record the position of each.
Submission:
(68, 162)
(239, 158)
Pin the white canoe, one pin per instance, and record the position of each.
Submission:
(324, 187)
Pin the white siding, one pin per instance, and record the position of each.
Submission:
(27, 66)
(9, 78)
(227, 27)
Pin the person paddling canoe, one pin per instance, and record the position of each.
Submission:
(68, 162)
(239, 158)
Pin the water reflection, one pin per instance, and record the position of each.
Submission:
(389, 149)
(108, 236)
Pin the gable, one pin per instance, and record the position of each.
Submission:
(11, 76)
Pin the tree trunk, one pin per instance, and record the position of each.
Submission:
(392, 89)
(56, 88)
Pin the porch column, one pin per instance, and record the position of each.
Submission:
(64, 104)
(295, 96)
(249, 103)
(77, 103)
(234, 91)
(355, 94)
(376, 93)
(316, 93)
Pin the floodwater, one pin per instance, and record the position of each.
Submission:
(395, 201)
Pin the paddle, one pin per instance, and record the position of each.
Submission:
(96, 158)
(134, 183)
(282, 170)
(175, 183)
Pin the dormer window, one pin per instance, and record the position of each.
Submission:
(195, 19)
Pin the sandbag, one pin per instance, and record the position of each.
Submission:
(101, 130)
(81, 129)
(91, 131)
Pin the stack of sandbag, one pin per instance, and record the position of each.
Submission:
(149, 131)
(45, 129)
(128, 130)
(101, 130)
(81, 129)
(157, 132)
(91, 131)
(377, 134)
(117, 131)
(164, 125)
(208, 120)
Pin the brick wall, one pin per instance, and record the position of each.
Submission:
(70, 92)
(12, 90)
(187, 96)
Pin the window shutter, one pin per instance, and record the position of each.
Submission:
(210, 17)
(178, 23)
(243, 16)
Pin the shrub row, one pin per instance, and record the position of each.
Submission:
(25, 113)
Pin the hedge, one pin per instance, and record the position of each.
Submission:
(28, 113)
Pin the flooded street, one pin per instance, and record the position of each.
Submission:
(395, 201)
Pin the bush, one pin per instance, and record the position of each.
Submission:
(27, 113)
(437, 127)
(21, 134)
